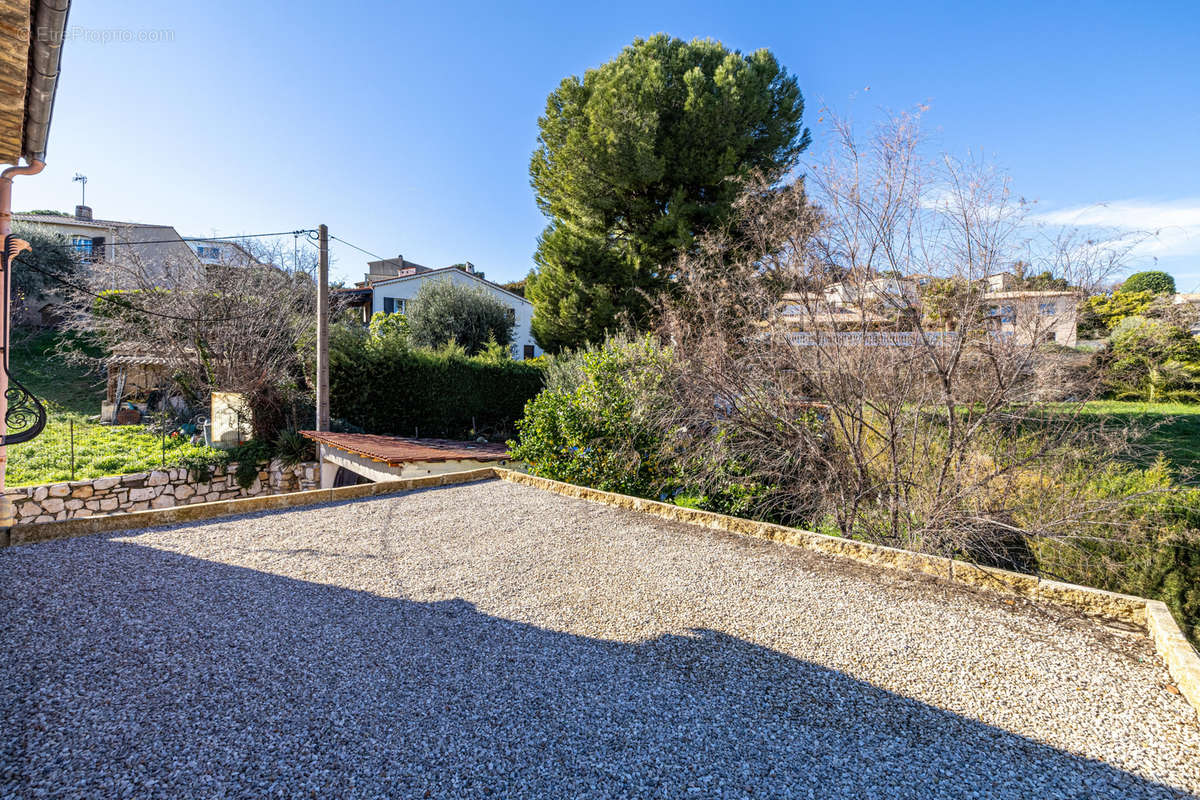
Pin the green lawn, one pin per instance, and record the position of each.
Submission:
(1172, 429)
(47, 374)
(71, 395)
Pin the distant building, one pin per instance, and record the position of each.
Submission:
(883, 294)
(226, 254)
(1004, 282)
(106, 244)
(1034, 317)
(814, 311)
(390, 287)
(1191, 299)
(386, 269)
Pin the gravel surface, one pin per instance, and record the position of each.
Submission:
(495, 640)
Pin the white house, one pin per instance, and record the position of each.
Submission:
(391, 295)
(221, 254)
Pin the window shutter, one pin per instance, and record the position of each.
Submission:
(97, 248)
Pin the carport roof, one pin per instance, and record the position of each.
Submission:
(397, 450)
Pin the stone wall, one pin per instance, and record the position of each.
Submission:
(162, 488)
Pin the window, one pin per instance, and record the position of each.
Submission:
(83, 246)
(395, 305)
(528, 352)
(1003, 314)
(1048, 309)
(208, 251)
(512, 315)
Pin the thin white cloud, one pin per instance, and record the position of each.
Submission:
(1171, 229)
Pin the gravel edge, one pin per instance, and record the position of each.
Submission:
(1181, 659)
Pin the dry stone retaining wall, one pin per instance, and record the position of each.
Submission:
(160, 488)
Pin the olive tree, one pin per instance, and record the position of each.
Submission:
(444, 311)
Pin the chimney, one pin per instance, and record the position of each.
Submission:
(83, 213)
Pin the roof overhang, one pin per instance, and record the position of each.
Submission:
(31, 40)
(395, 451)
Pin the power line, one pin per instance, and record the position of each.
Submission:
(198, 238)
(359, 249)
(127, 304)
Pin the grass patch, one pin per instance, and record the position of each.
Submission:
(71, 395)
(1172, 429)
(36, 364)
(100, 450)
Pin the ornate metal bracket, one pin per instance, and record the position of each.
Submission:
(26, 416)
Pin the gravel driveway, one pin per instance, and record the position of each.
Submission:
(495, 640)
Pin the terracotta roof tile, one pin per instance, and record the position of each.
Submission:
(397, 450)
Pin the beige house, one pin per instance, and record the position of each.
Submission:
(883, 293)
(813, 311)
(1191, 299)
(102, 243)
(1034, 316)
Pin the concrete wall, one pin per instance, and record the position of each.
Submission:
(142, 491)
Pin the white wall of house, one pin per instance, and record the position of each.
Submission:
(395, 295)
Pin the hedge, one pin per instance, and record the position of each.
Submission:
(432, 394)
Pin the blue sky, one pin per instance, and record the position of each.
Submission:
(407, 128)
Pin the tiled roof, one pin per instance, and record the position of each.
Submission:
(444, 270)
(55, 219)
(396, 450)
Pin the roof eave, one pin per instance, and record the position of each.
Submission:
(45, 61)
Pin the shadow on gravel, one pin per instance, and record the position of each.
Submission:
(124, 665)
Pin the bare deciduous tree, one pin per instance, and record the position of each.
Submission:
(240, 325)
(812, 373)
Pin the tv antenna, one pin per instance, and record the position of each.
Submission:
(79, 176)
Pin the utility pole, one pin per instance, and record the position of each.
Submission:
(323, 331)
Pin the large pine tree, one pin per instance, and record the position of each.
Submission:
(631, 165)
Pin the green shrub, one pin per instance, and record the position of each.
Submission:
(444, 311)
(1100, 313)
(1152, 360)
(249, 457)
(1150, 281)
(291, 449)
(600, 431)
(387, 334)
(431, 393)
(1147, 543)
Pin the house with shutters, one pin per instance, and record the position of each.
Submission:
(102, 244)
(390, 286)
